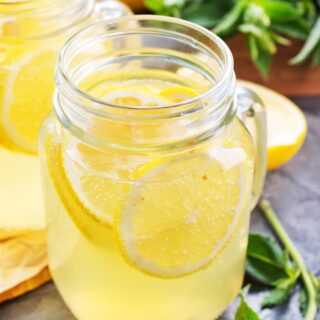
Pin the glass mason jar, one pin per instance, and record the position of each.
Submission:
(148, 171)
(31, 34)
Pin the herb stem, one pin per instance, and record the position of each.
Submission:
(281, 233)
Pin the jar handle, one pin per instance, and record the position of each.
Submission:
(109, 9)
(251, 111)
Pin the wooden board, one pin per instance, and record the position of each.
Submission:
(302, 80)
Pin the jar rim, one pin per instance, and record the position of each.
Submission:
(55, 17)
(224, 80)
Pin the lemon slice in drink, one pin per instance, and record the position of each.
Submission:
(178, 93)
(130, 96)
(287, 125)
(181, 214)
(90, 196)
(26, 92)
(89, 199)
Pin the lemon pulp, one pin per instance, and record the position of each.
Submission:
(151, 232)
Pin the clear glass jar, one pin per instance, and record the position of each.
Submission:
(148, 172)
(31, 34)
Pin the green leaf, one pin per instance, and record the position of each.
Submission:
(228, 24)
(291, 267)
(173, 8)
(263, 36)
(303, 296)
(316, 56)
(206, 13)
(311, 43)
(244, 311)
(303, 301)
(294, 29)
(265, 260)
(253, 48)
(267, 249)
(155, 5)
(255, 14)
(307, 10)
(280, 11)
(279, 39)
(277, 296)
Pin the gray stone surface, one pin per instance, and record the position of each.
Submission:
(295, 194)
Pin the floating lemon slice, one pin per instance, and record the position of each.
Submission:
(180, 215)
(90, 200)
(90, 197)
(287, 125)
(26, 93)
(179, 94)
(130, 96)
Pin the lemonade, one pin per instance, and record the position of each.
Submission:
(26, 86)
(153, 237)
(31, 34)
(147, 173)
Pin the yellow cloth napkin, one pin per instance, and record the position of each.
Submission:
(23, 263)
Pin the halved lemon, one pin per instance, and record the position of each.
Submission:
(287, 125)
(181, 214)
(26, 88)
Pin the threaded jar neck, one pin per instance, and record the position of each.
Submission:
(155, 46)
(33, 19)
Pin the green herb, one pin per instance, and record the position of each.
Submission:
(311, 44)
(244, 311)
(294, 270)
(279, 269)
(303, 296)
(268, 264)
(265, 23)
(162, 7)
(277, 296)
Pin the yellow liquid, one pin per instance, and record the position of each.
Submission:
(26, 88)
(20, 192)
(98, 283)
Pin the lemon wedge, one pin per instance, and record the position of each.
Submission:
(287, 125)
(26, 88)
(181, 214)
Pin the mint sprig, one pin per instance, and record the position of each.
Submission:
(265, 24)
(295, 269)
(281, 269)
(268, 264)
(266, 261)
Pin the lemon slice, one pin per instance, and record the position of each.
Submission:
(287, 125)
(26, 97)
(181, 214)
(130, 96)
(101, 186)
(88, 199)
(179, 93)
